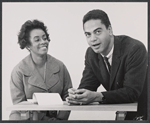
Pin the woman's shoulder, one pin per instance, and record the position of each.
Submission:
(52, 59)
(23, 64)
(55, 64)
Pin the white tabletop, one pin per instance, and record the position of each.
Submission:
(91, 107)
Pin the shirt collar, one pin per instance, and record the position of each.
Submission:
(110, 53)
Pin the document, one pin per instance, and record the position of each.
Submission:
(47, 99)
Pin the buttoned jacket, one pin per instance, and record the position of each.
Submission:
(128, 71)
(26, 80)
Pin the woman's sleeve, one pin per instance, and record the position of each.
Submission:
(67, 83)
(17, 87)
(17, 92)
(64, 115)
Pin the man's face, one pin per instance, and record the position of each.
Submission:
(98, 36)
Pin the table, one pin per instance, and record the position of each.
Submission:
(122, 108)
(91, 107)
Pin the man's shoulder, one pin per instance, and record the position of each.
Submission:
(90, 54)
(90, 50)
(127, 42)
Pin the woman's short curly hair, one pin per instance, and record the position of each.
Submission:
(23, 36)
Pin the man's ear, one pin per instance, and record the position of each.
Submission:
(110, 30)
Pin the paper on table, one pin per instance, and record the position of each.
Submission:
(47, 99)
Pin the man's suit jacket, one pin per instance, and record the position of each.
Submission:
(128, 71)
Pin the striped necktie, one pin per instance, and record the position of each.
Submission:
(108, 64)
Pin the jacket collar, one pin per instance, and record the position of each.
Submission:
(28, 69)
(115, 63)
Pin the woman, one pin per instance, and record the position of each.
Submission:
(38, 72)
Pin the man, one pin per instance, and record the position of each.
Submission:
(123, 75)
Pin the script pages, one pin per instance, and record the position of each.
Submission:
(46, 99)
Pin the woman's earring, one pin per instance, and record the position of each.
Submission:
(28, 48)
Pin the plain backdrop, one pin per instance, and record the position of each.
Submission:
(68, 42)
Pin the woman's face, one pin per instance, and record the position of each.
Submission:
(38, 42)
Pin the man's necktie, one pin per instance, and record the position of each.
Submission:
(108, 64)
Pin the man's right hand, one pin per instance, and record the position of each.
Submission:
(72, 96)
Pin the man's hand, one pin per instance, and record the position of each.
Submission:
(72, 96)
(83, 96)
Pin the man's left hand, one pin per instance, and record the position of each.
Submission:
(83, 96)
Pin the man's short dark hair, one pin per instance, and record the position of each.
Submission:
(97, 14)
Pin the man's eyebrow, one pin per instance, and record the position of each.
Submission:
(86, 32)
(94, 30)
(99, 28)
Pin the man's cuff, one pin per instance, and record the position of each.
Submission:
(103, 100)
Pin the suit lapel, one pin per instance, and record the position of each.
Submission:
(29, 70)
(36, 80)
(52, 68)
(115, 60)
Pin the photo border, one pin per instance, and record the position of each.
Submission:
(89, 121)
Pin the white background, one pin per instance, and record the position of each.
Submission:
(68, 43)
